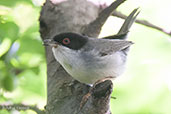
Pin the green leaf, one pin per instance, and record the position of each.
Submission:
(30, 60)
(5, 46)
(9, 29)
(35, 70)
(31, 82)
(28, 45)
(11, 3)
(8, 83)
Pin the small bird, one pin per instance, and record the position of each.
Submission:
(89, 60)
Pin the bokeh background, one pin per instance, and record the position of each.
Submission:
(145, 87)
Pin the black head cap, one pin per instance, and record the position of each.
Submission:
(71, 40)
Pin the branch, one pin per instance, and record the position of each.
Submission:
(143, 22)
(21, 107)
(93, 29)
(100, 94)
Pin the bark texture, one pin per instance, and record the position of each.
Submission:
(65, 93)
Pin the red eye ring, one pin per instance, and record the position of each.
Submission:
(66, 41)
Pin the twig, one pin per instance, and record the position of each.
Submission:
(113, 97)
(94, 28)
(143, 22)
(21, 107)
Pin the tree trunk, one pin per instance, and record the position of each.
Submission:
(64, 94)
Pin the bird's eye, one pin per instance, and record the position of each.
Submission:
(66, 41)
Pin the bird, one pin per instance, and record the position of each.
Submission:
(89, 60)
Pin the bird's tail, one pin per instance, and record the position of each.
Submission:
(128, 22)
(122, 34)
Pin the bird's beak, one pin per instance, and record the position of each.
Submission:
(50, 42)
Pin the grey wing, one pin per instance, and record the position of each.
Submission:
(107, 47)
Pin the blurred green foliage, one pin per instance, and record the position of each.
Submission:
(22, 60)
(145, 88)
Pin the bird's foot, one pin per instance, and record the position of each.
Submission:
(85, 99)
(86, 96)
(102, 80)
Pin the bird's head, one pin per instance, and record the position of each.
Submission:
(70, 40)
